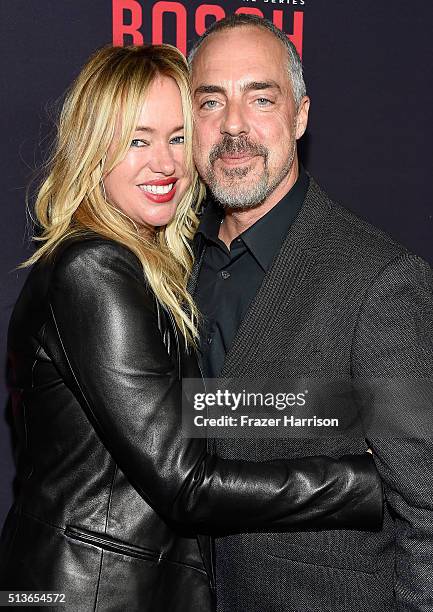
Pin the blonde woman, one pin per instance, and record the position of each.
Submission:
(114, 504)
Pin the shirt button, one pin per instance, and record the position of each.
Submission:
(209, 339)
(225, 274)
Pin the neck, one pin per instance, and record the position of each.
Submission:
(237, 221)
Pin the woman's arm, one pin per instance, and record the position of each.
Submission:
(107, 345)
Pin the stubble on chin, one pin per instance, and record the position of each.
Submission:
(238, 188)
(244, 188)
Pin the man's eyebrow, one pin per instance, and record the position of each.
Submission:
(258, 85)
(208, 89)
(250, 86)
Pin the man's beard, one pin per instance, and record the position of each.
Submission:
(231, 193)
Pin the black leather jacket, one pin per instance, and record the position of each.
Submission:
(111, 496)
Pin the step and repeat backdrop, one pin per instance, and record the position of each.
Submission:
(368, 73)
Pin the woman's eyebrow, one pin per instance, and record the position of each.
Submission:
(144, 128)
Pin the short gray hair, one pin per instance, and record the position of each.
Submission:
(241, 20)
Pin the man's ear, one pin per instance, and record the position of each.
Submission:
(302, 117)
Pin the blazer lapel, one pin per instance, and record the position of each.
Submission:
(283, 280)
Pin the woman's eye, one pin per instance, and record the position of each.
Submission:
(138, 142)
(177, 140)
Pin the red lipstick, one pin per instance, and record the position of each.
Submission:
(159, 198)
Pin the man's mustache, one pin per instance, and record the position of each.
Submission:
(236, 144)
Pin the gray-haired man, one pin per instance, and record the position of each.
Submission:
(292, 285)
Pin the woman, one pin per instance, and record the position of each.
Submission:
(114, 502)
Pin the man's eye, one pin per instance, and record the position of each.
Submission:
(177, 140)
(209, 104)
(138, 142)
(264, 102)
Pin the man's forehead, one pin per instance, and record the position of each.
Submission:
(241, 54)
(254, 40)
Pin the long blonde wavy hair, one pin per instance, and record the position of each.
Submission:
(72, 200)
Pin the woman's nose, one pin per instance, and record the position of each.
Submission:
(162, 160)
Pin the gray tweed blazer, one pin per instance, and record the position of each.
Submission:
(341, 300)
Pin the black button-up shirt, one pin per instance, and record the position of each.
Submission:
(230, 277)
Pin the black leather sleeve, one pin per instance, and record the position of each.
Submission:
(107, 345)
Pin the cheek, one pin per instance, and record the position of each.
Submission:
(271, 131)
(113, 184)
(181, 188)
(276, 126)
(277, 137)
(206, 132)
(121, 174)
(179, 157)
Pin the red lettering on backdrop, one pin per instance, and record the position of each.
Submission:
(298, 27)
(120, 28)
(203, 11)
(157, 22)
(249, 11)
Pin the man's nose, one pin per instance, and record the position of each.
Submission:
(162, 159)
(234, 120)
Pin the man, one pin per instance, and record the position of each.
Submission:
(292, 285)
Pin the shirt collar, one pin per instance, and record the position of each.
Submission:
(211, 220)
(264, 238)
